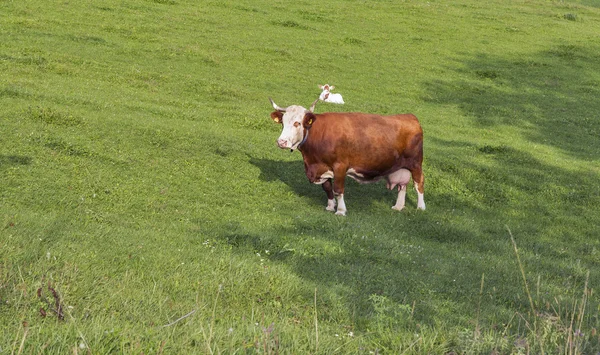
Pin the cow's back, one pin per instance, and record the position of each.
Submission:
(365, 141)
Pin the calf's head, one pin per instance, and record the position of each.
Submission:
(326, 89)
(296, 121)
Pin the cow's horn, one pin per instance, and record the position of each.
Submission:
(277, 107)
(312, 107)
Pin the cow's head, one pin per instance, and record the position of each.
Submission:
(296, 121)
(326, 89)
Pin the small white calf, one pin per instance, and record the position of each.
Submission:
(327, 96)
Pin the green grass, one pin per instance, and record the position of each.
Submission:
(141, 180)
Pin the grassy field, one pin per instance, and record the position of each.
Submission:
(145, 207)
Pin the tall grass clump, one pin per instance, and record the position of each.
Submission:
(553, 326)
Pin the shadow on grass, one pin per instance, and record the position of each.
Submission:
(551, 96)
(358, 196)
(12, 160)
(434, 260)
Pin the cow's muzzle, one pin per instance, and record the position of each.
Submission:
(283, 143)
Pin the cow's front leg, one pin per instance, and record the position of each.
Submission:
(339, 181)
(328, 187)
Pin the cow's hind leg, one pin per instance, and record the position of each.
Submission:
(328, 187)
(419, 180)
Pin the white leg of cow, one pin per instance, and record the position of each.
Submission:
(420, 199)
(339, 180)
(341, 206)
(330, 205)
(401, 198)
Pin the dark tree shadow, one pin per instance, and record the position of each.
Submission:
(466, 221)
(552, 96)
(381, 252)
(473, 191)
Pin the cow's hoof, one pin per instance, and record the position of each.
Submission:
(340, 213)
(330, 205)
(398, 208)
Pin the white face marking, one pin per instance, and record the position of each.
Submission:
(293, 131)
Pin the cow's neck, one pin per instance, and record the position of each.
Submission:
(304, 138)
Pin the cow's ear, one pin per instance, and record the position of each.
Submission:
(331, 88)
(309, 119)
(277, 116)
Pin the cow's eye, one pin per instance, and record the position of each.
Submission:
(296, 124)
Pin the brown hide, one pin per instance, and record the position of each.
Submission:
(374, 146)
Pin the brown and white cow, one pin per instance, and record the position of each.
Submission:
(366, 147)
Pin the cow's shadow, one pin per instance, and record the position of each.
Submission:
(291, 173)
